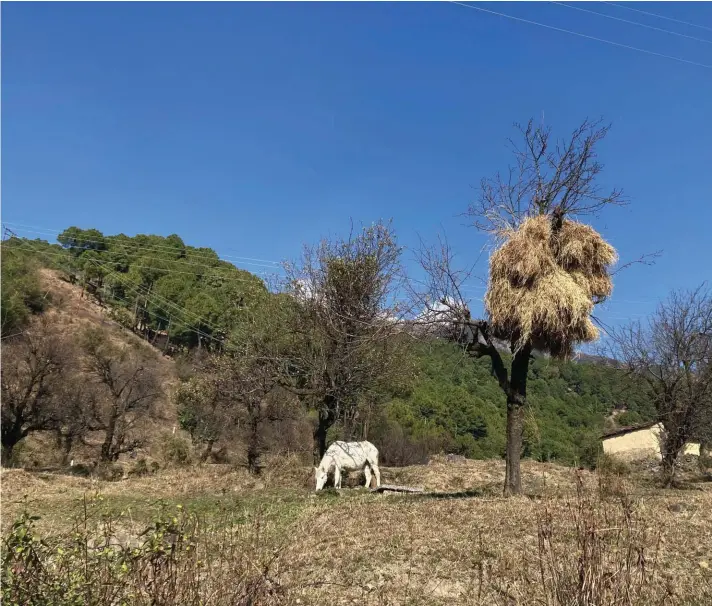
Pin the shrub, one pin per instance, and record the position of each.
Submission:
(176, 450)
(177, 560)
(611, 562)
(608, 464)
(141, 468)
(109, 472)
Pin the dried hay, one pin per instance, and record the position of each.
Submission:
(543, 285)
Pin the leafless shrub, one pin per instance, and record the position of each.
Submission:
(127, 388)
(673, 355)
(32, 366)
(611, 561)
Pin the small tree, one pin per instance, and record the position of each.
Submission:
(127, 390)
(673, 355)
(546, 273)
(74, 403)
(206, 407)
(32, 366)
(234, 395)
(345, 322)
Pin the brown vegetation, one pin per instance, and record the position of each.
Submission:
(544, 284)
(673, 355)
(593, 539)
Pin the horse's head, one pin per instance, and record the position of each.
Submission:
(321, 475)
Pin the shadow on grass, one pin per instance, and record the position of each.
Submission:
(474, 493)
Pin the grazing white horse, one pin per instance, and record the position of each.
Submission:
(348, 456)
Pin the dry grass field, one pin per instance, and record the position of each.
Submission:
(218, 536)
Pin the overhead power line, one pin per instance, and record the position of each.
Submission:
(637, 10)
(162, 301)
(138, 247)
(157, 269)
(568, 31)
(466, 287)
(45, 231)
(657, 29)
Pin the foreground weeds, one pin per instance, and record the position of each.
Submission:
(613, 556)
(178, 559)
(596, 540)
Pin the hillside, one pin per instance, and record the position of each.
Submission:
(454, 404)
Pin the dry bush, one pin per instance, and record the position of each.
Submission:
(178, 559)
(614, 557)
(175, 450)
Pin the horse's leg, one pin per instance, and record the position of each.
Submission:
(337, 477)
(377, 473)
(367, 473)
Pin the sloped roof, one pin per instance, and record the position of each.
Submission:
(630, 428)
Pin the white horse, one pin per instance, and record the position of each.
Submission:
(348, 456)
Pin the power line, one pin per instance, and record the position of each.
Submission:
(137, 286)
(157, 269)
(133, 247)
(637, 10)
(147, 295)
(657, 29)
(137, 247)
(466, 288)
(568, 31)
(46, 231)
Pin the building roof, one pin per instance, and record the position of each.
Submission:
(630, 428)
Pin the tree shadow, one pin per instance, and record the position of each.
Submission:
(474, 493)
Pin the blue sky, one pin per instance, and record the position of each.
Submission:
(255, 127)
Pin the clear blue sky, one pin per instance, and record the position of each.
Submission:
(253, 128)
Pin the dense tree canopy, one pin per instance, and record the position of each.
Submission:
(161, 284)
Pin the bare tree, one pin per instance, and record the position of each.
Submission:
(232, 397)
(205, 404)
(550, 179)
(32, 364)
(344, 323)
(74, 403)
(673, 355)
(128, 389)
(557, 178)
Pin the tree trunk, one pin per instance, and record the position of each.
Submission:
(67, 443)
(673, 444)
(11, 436)
(254, 443)
(207, 451)
(327, 418)
(107, 453)
(705, 459)
(516, 401)
(515, 426)
(7, 449)
(668, 465)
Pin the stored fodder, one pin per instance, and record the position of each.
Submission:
(554, 312)
(544, 283)
(581, 248)
(525, 255)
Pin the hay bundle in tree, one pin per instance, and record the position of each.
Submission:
(544, 283)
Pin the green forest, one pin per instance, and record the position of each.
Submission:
(154, 285)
